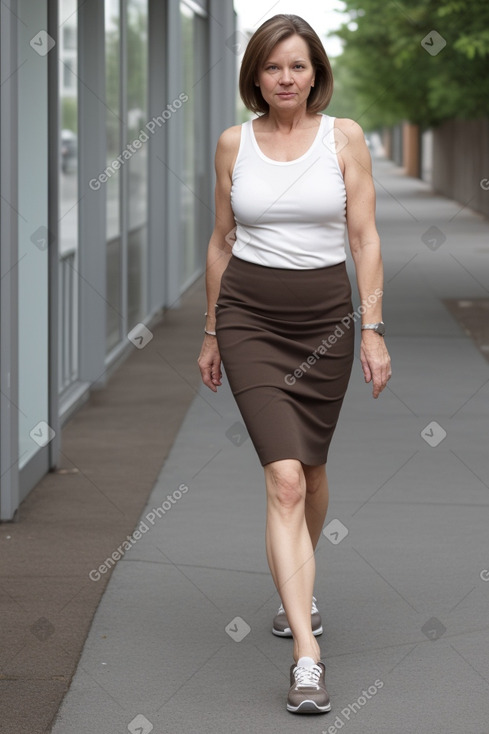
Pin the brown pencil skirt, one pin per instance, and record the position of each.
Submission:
(286, 342)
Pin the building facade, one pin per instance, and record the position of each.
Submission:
(109, 115)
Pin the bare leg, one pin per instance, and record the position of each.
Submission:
(290, 550)
(317, 498)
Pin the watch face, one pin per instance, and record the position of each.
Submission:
(380, 329)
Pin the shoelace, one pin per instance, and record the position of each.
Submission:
(307, 677)
(314, 609)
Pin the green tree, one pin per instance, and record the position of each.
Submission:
(393, 74)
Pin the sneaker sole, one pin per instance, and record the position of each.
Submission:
(308, 707)
(287, 632)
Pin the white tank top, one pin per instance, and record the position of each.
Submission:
(289, 214)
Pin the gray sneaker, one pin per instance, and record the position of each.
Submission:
(281, 627)
(308, 694)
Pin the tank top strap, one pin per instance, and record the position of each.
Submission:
(330, 137)
(328, 123)
(246, 136)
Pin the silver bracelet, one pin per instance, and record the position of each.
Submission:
(211, 333)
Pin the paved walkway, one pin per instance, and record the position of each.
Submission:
(181, 641)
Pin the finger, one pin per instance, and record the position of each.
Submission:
(216, 374)
(367, 373)
(380, 379)
(210, 384)
(207, 379)
(376, 381)
(386, 375)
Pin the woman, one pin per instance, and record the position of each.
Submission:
(279, 313)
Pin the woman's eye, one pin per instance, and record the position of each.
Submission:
(273, 67)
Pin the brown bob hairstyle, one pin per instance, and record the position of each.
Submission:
(259, 47)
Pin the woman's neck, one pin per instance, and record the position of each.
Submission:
(286, 122)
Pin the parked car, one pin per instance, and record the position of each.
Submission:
(69, 151)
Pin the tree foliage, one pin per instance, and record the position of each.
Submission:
(387, 73)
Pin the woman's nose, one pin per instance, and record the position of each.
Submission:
(286, 77)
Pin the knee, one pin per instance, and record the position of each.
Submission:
(286, 484)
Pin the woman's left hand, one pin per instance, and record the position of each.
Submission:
(376, 363)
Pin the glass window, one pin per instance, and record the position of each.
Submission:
(69, 36)
(69, 77)
(195, 215)
(113, 190)
(127, 215)
(202, 172)
(137, 106)
(188, 112)
(68, 197)
(33, 234)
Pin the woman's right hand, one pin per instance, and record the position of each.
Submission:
(209, 362)
(219, 251)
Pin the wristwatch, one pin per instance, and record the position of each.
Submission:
(378, 328)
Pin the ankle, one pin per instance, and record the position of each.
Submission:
(307, 651)
(311, 654)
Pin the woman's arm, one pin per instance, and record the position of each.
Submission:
(219, 252)
(364, 240)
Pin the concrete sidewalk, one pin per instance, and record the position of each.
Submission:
(181, 640)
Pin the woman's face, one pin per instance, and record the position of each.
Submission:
(286, 77)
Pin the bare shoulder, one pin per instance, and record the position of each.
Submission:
(227, 148)
(350, 141)
(350, 128)
(229, 140)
